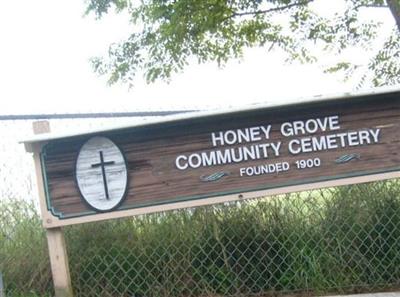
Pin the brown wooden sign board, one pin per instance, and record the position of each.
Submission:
(217, 157)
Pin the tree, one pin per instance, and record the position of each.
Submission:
(169, 34)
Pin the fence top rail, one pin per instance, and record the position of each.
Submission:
(87, 115)
(373, 94)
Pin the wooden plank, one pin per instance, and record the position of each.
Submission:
(365, 131)
(52, 221)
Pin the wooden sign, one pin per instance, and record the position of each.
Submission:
(216, 157)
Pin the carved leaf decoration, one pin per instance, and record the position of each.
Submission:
(213, 177)
(347, 158)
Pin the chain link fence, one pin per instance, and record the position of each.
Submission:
(336, 240)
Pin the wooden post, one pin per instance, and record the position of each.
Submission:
(55, 236)
(59, 262)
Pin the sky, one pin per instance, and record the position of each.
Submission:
(45, 47)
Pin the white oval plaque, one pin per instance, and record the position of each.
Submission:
(101, 174)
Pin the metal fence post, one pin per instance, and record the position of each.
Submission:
(2, 294)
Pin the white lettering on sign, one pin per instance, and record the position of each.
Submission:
(227, 156)
(310, 126)
(301, 140)
(231, 137)
(333, 141)
(264, 169)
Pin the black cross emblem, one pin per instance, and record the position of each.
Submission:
(103, 165)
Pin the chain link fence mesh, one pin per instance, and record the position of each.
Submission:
(336, 240)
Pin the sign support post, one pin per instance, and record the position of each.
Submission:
(55, 236)
(59, 262)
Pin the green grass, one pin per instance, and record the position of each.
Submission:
(23, 250)
(344, 239)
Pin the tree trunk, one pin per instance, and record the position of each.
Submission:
(394, 6)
